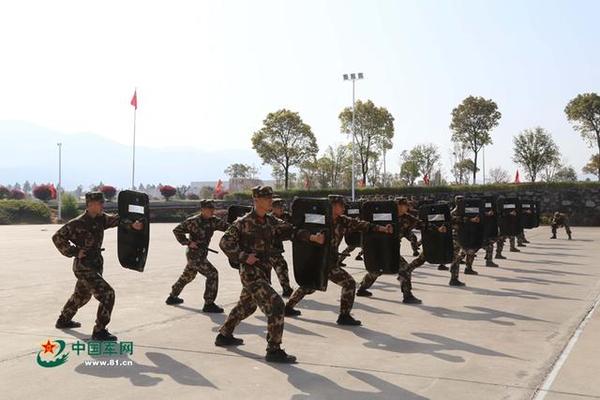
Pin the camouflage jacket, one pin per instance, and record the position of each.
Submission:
(84, 233)
(252, 234)
(344, 224)
(199, 230)
(278, 244)
(407, 222)
(560, 219)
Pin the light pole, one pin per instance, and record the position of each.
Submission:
(353, 77)
(59, 144)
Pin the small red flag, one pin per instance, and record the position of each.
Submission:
(517, 179)
(133, 101)
(426, 180)
(219, 187)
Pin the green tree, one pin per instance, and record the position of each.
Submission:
(409, 169)
(373, 131)
(584, 113)
(284, 141)
(69, 206)
(499, 175)
(593, 167)
(426, 156)
(238, 170)
(534, 149)
(472, 122)
(27, 187)
(565, 174)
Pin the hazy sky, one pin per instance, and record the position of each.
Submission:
(208, 72)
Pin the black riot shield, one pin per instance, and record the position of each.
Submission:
(528, 213)
(132, 245)
(234, 212)
(311, 260)
(470, 235)
(537, 212)
(437, 246)
(381, 250)
(353, 239)
(509, 210)
(490, 218)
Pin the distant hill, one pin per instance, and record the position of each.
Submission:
(29, 152)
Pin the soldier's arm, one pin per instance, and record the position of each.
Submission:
(359, 225)
(221, 224)
(230, 244)
(111, 220)
(286, 231)
(181, 232)
(62, 241)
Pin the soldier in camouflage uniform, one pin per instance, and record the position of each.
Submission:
(406, 221)
(459, 253)
(341, 225)
(279, 264)
(558, 220)
(81, 238)
(250, 241)
(196, 233)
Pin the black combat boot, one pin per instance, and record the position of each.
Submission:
(570, 238)
(500, 257)
(287, 292)
(553, 236)
(279, 356)
(291, 312)
(224, 341)
(409, 298)
(442, 267)
(104, 336)
(212, 308)
(347, 319)
(526, 241)
(470, 271)
(173, 300)
(514, 250)
(455, 282)
(62, 323)
(363, 293)
(490, 263)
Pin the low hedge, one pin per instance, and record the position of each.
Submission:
(24, 212)
(422, 190)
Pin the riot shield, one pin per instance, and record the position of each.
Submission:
(528, 214)
(537, 213)
(234, 212)
(509, 210)
(381, 251)
(490, 218)
(311, 260)
(353, 239)
(437, 247)
(470, 235)
(132, 245)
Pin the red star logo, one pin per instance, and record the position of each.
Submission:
(48, 347)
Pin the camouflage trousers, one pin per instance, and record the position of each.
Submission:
(90, 283)
(458, 255)
(257, 292)
(412, 238)
(281, 270)
(405, 273)
(500, 245)
(556, 226)
(347, 251)
(338, 276)
(489, 248)
(199, 266)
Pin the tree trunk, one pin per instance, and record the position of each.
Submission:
(474, 167)
(598, 141)
(287, 171)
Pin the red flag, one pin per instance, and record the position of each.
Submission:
(219, 187)
(52, 191)
(426, 179)
(517, 179)
(133, 101)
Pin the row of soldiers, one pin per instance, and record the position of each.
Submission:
(254, 243)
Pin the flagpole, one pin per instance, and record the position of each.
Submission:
(133, 166)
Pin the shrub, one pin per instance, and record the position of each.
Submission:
(17, 194)
(193, 196)
(4, 192)
(44, 192)
(109, 192)
(70, 207)
(23, 212)
(167, 191)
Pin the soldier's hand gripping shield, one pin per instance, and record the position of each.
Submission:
(509, 209)
(381, 250)
(470, 234)
(234, 212)
(311, 260)
(437, 246)
(132, 245)
(353, 239)
(490, 218)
